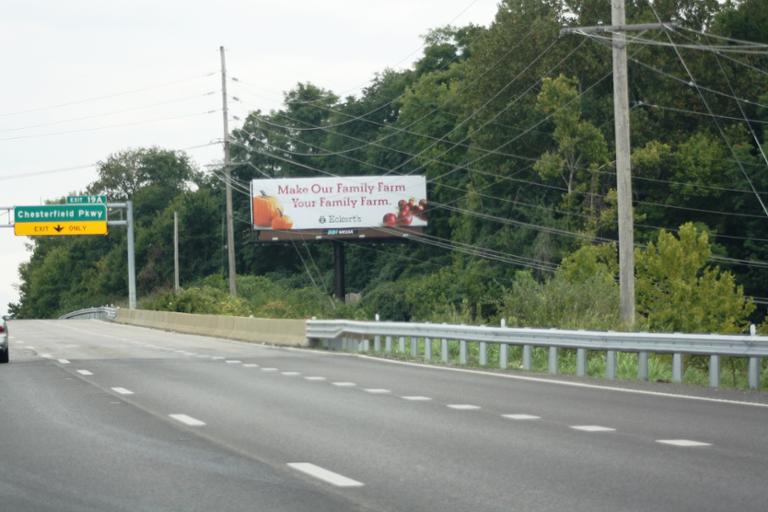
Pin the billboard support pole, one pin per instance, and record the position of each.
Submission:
(339, 266)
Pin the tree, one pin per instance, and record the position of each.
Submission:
(123, 174)
(581, 149)
(678, 290)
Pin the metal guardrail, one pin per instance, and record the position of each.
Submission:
(99, 313)
(356, 335)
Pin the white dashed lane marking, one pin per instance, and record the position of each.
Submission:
(463, 407)
(84, 372)
(233, 361)
(417, 398)
(592, 428)
(314, 378)
(291, 374)
(345, 384)
(520, 417)
(187, 420)
(377, 391)
(269, 370)
(324, 474)
(122, 391)
(685, 443)
(64, 361)
(250, 365)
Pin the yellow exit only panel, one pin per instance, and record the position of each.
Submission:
(60, 228)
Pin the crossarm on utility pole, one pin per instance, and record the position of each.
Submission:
(602, 29)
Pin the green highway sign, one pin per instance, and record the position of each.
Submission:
(60, 220)
(86, 199)
(60, 213)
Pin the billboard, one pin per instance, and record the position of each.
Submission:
(339, 203)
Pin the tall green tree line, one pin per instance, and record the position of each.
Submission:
(513, 127)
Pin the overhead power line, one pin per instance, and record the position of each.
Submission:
(105, 96)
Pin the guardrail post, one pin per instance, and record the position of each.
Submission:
(388, 344)
(427, 349)
(642, 365)
(366, 345)
(754, 373)
(677, 367)
(526, 357)
(714, 371)
(401, 344)
(483, 353)
(444, 350)
(581, 362)
(610, 365)
(377, 338)
(503, 350)
(414, 346)
(553, 361)
(462, 352)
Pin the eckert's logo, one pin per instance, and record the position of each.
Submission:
(339, 219)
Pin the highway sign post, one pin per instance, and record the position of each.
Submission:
(60, 220)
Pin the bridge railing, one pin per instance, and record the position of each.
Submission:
(357, 336)
(99, 313)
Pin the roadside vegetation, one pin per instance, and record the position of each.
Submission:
(512, 126)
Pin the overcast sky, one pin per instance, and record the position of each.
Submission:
(86, 78)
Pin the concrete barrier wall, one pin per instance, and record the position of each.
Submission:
(257, 330)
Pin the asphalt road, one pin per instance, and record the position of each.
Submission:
(104, 417)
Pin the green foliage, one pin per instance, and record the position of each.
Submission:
(591, 303)
(512, 126)
(678, 291)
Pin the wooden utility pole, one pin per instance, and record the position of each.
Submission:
(623, 168)
(228, 179)
(623, 151)
(176, 252)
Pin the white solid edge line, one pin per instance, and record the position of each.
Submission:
(592, 428)
(187, 420)
(122, 391)
(685, 443)
(324, 474)
(463, 407)
(520, 417)
(568, 383)
(84, 372)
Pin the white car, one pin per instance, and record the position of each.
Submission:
(3, 342)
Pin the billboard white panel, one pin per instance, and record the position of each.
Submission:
(343, 202)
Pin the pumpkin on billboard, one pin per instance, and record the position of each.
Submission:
(282, 222)
(265, 208)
